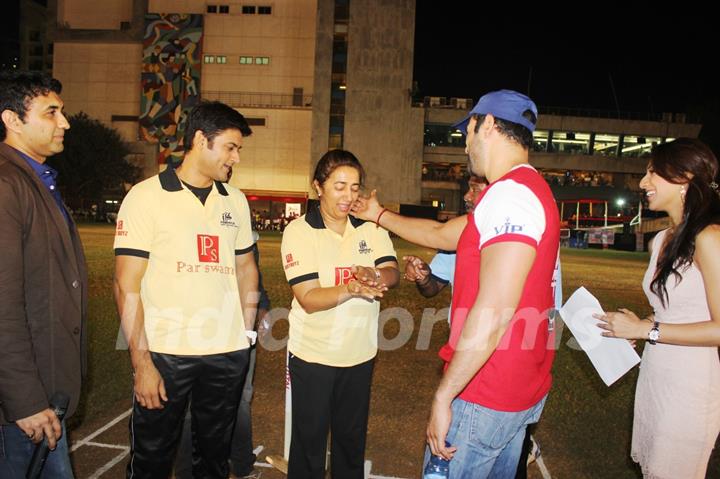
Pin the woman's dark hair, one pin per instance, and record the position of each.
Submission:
(334, 159)
(685, 161)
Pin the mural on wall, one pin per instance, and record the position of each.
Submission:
(172, 57)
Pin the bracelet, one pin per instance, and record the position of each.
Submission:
(377, 221)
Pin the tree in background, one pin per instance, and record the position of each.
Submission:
(93, 164)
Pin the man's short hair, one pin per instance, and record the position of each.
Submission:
(212, 118)
(19, 88)
(512, 131)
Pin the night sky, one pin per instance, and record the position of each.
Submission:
(607, 59)
(618, 59)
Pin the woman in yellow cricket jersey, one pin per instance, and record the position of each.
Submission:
(338, 268)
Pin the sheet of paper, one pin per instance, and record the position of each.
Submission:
(612, 357)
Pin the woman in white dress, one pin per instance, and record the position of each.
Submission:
(677, 400)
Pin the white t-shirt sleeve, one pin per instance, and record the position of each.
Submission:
(135, 223)
(509, 211)
(442, 266)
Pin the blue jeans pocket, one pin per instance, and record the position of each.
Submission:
(488, 441)
(487, 428)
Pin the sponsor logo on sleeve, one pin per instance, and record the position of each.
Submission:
(289, 263)
(208, 248)
(343, 275)
(119, 231)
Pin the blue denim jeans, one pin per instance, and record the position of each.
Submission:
(16, 450)
(488, 441)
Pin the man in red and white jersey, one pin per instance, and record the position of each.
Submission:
(500, 351)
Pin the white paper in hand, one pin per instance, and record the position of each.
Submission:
(612, 357)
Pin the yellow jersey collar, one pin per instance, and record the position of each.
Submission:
(170, 182)
(315, 220)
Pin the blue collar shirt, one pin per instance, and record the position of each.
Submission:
(47, 176)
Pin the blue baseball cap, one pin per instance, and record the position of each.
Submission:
(507, 105)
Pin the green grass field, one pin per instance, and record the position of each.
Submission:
(584, 432)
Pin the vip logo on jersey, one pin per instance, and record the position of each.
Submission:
(343, 275)
(208, 248)
(508, 228)
(227, 219)
(363, 248)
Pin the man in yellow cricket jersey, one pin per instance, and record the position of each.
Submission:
(186, 290)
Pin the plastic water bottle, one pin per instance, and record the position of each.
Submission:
(437, 467)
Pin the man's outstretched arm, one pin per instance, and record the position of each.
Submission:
(428, 233)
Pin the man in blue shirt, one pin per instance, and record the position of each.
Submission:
(47, 175)
(431, 279)
(43, 280)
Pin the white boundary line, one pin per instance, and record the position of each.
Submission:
(88, 441)
(539, 460)
(108, 446)
(543, 469)
(107, 426)
(110, 464)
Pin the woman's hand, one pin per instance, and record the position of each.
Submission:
(367, 276)
(360, 290)
(623, 324)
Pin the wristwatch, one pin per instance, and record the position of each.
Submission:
(654, 333)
